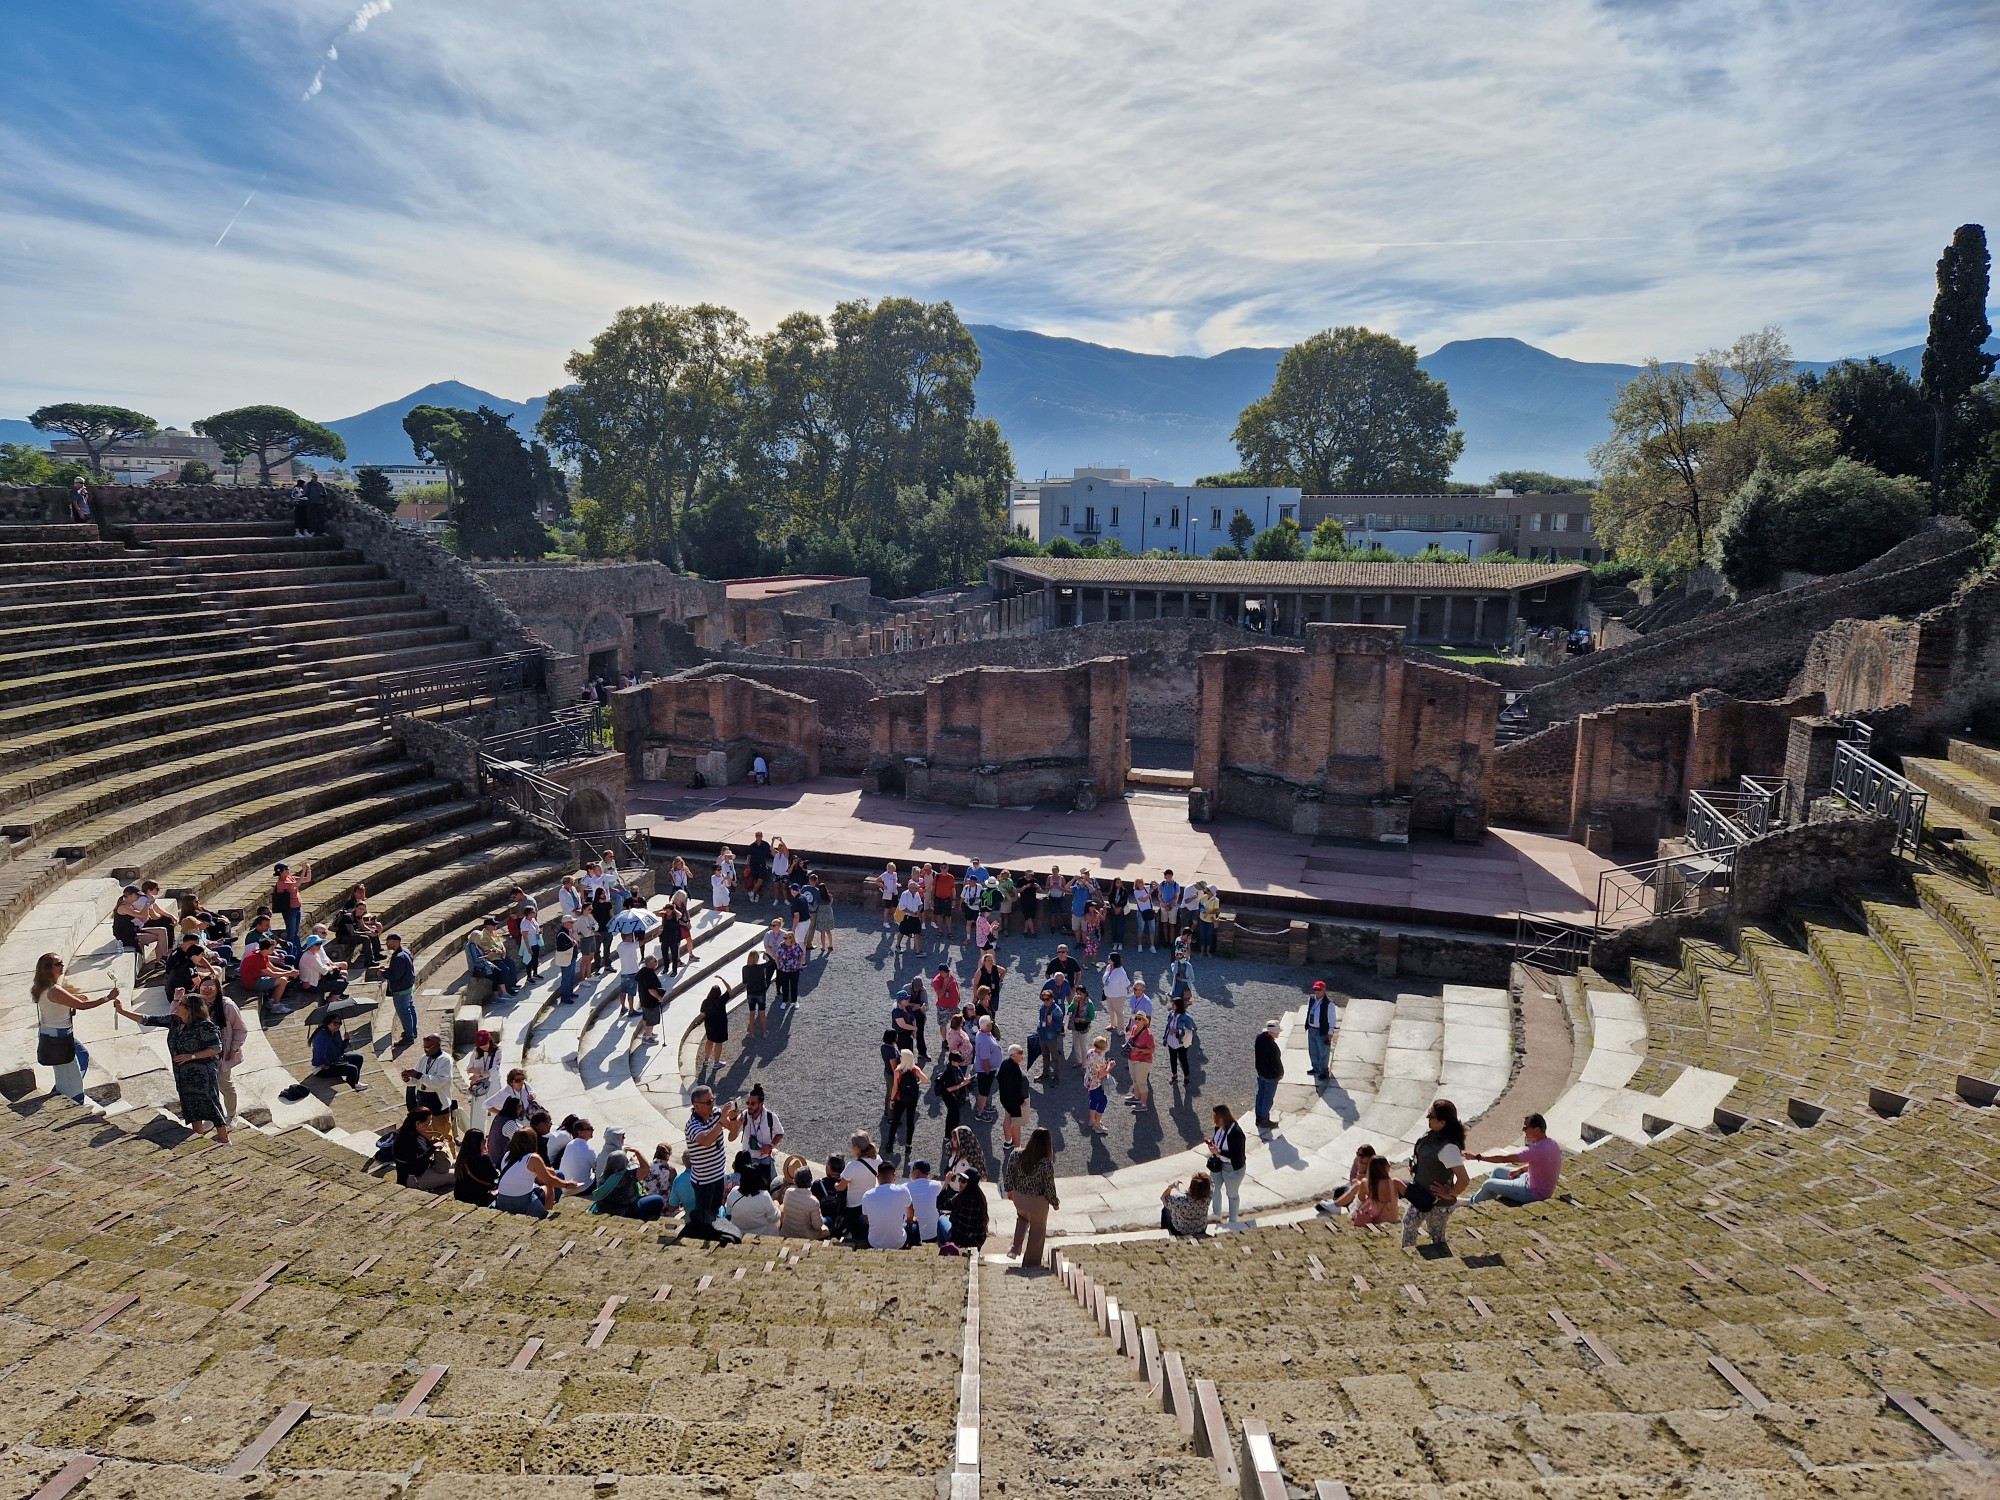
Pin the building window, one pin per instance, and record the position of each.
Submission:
(1580, 521)
(1065, 515)
(1288, 513)
(1090, 518)
(1176, 513)
(1535, 521)
(1215, 518)
(1559, 521)
(1114, 515)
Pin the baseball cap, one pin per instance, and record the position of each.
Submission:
(1319, 984)
(1271, 1026)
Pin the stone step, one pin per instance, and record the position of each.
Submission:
(136, 600)
(391, 613)
(112, 677)
(197, 531)
(326, 596)
(1976, 759)
(277, 545)
(308, 573)
(361, 670)
(163, 830)
(1961, 789)
(488, 873)
(60, 661)
(120, 581)
(76, 549)
(361, 639)
(113, 565)
(35, 747)
(1973, 917)
(31, 634)
(48, 796)
(438, 930)
(389, 803)
(403, 861)
(14, 533)
(219, 567)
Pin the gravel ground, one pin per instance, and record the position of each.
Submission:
(821, 1067)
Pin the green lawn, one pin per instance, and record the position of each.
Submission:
(1468, 655)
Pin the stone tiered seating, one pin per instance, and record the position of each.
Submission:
(185, 1315)
(1709, 1309)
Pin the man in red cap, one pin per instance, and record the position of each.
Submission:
(1320, 1021)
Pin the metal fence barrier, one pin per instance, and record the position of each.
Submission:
(1864, 783)
(459, 682)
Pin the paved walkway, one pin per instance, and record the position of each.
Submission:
(1430, 879)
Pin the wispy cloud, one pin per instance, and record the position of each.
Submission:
(369, 10)
(487, 185)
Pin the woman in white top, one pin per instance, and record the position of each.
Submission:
(781, 862)
(569, 898)
(718, 889)
(1142, 903)
(1117, 990)
(529, 1185)
(56, 1005)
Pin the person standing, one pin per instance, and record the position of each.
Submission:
(1047, 1043)
(987, 977)
(954, 1078)
(909, 920)
(56, 1005)
(1096, 1077)
(401, 984)
(1167, 897)
(1180, 1038)
(653, 999)
(920, 1017)
(194, 1047)
(886, 886)
(791, 961)
(707, 1157)
(1012, 1084)
(1117, 987)
(946, 994)
(1139, 1045)
(286, 902)
(906, 1090)
(987, 1056)
(429, 1085)
(715, 1032)
(1146, 909)
(1082, 1016)
(1437, 1176)
(1030, 1183)
(1320, 1021)
(1270, 1069)
(763, 1131)
(1228, 1150)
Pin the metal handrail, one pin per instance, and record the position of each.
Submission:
(400, 693)
(1551, 944)
(1863, 782)
(534, 798)
(570, 734)
(1672, 886)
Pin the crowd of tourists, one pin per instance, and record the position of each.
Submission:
(497, 1146)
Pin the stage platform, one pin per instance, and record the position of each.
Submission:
(1429, 879)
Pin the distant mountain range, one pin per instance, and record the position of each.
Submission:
(1063, 403)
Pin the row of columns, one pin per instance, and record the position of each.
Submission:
(1020, 614)
(1447, 618)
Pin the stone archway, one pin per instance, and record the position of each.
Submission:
(589, 810)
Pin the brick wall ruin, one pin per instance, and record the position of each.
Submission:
(1529, 781)
(670, 729)
(625, 609)
(1006, 736)
(1635, 764)
(1942, 668)
(1345, 738)
(1755, 649)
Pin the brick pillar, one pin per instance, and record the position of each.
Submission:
(1809, 747)
(1211, 679)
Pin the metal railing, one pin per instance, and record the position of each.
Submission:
(459, 682)
(572, 734)
(532, 798)
(1865, 783)
(630, 849)
(1550, 944)
(1677, 885)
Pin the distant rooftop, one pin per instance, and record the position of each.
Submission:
(779, 584)
(1202, 573)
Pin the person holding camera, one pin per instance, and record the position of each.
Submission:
(1227, 1150)
(1185, 1215)
(708, 1132)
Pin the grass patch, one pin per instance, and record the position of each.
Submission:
(1468, 655)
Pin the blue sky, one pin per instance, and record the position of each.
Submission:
(476, 187)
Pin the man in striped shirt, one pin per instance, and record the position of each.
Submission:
(707, 1155)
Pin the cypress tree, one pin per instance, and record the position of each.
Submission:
(1955, 357)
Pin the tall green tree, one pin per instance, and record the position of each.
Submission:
(1877, 413)
(372, 487)
(1536, 482)
(1279, 543)
(1955, 357)
(498, 490)
(96, 427)
(1241, 530)
(1824, 520)
(272, 435)
(23, 463)
(654, 415)
(437, 436)
(1350, 412)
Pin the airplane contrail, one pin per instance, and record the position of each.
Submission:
(369, 10)
(232, 220)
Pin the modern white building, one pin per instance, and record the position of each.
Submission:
(1142, 515)
(409, 476)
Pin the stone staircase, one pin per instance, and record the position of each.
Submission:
(194, 706)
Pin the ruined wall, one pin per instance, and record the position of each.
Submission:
(670, 729)
(1757, 648)
(1001, 736)
(840, 695)
(898, 727)
(1345, 738)
(1530, 780)
(623, 607)
(1942, 668)
(1161, 656)
(1636, 763)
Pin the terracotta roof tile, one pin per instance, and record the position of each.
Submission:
(1203, 573)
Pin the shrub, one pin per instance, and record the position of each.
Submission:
(1825, 520)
